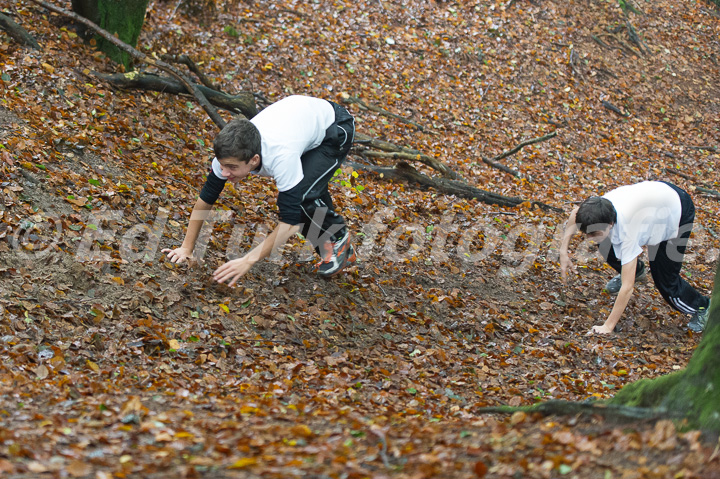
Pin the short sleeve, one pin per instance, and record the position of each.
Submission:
(212, 188)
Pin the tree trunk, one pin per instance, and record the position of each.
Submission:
(691, 391)
(122, 17)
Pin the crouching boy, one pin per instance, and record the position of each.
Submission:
(656, 214)
(300, 142)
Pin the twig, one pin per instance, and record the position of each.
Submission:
(211, 111)
(702, 189)
(501, 167)
(708, 191)
(600, 42)
(573, 63)
(677, 173)
(382, 111)
(524, 144)
(613, 108)
(704, 148)
(192, 66)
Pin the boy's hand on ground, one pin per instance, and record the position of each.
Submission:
(178, 255)
(232, 271)
(601, 330)
(565, 265)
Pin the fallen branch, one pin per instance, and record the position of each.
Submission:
(138, 55)
(405, 172)
(704, 148)
(396, 152)
(613, 108)
(501, 167)
(243, 103)
(708, 191)
(382, 111)
(192, 66)
(18, 33)
(678, 173)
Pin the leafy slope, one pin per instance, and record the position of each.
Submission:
(145, 368)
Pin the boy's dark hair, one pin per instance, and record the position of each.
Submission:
(238, 139)
(595, 211)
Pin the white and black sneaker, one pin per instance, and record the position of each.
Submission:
(699, 320)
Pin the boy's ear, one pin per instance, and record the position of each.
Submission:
(255, 161)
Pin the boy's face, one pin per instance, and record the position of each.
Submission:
(600, 235)
(235, 170)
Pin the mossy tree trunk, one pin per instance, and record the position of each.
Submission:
(122, 17)
(694, 391)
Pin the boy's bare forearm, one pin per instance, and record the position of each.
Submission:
(278, 237)
(197, 218)
(570, 230)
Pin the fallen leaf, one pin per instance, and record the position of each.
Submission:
(41, 371)
(78, 469)
(243, 463)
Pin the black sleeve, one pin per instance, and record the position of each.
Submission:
(289, 206)
(212, 188)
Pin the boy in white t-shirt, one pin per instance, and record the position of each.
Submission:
(655, 214)
(300, 142)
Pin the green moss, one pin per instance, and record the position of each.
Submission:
(647, 392)
(123, 18)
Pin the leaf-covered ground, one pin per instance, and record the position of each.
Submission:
(118, 364)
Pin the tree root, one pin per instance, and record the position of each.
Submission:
(567, 408)
(18, 33)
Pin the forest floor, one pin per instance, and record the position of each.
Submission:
(116, 363)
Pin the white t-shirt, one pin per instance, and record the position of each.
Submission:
(289, 128)
(648, 213)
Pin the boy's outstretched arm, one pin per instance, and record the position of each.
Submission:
(197, 217)
(627, 275)
(235, 269)
(570, 229)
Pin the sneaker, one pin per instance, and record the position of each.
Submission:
(336, 255)
(699, 319)
(613, 286)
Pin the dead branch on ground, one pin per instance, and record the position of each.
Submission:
(402, 171)
(395, 152)
(243, 103)
(382, 111)
(192, 66)
(613, 108)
